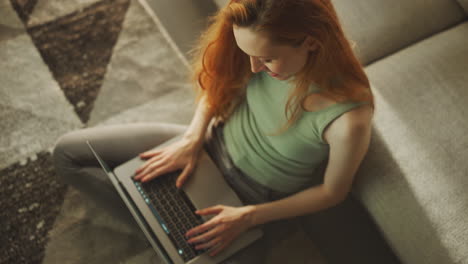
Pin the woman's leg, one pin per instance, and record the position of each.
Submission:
(76, 165)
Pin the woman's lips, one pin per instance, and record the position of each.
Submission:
(273, 74)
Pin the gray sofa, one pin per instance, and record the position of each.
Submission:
(414, 178)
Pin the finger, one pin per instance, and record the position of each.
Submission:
(150, 153)
(148, 163)
(186, 172)
(210, 210)
(156, 173)
(184, 175)
(203, 227)
(153, 165)
(209, 244)
(143, 173)
(205, 236)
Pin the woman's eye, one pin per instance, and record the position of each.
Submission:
(267, 61)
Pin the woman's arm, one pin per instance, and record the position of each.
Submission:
(197, 128)
(348, 137)
(182, 154)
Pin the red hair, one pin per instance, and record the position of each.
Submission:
(221, 70)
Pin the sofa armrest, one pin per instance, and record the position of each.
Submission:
(182, 25)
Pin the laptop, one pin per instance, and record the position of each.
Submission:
(153, 205)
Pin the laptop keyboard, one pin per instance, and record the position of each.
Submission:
(174, 211)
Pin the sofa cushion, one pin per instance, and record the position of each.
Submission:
(381, 27)
(414, 179)
(464, 3)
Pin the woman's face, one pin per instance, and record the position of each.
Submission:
(279, 61)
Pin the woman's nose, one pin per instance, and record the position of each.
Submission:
(256, 65)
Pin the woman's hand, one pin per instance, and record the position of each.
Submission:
(223, 228)
(182, 154)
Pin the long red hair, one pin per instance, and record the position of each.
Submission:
(221, 70)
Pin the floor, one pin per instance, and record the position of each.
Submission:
(145, 81)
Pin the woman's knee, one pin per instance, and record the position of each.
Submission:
(61, 145)
(61, 155)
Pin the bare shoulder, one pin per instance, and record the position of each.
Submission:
(349, 125)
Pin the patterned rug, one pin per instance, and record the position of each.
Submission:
(77, 49)
(31, 198)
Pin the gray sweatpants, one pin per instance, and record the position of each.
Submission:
(330, 229)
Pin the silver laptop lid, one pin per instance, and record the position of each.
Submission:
(132, 207)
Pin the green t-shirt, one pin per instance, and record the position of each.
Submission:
(285, 162)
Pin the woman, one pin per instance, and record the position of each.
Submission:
(285, 91)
